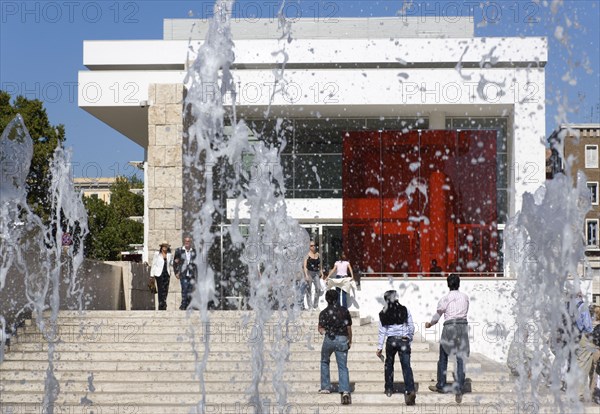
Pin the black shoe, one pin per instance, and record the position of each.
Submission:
(410, 398)
(388, 393)
(458, 398)
(346, 398)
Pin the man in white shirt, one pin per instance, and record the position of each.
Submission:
(455, 336)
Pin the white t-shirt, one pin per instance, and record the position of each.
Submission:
(342, 267)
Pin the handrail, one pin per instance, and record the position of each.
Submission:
(432, 274)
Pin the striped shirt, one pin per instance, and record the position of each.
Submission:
(455, 305)
(407, 329)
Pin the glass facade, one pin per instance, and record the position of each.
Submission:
(398, 161)
(311, 152)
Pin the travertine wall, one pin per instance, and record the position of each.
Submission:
(164, 163)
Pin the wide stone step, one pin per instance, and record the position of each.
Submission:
(395, 405)
(243, 375)
(175, 321)
(314, 348)
(180, 317)
(160, 365)
(190, 398)
(304, 400)
(360, 342)
(183, 346)
(232, 332)
(213, 356)
(218, 386)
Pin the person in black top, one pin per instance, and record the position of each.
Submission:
(335, 323)
(435, 270)
(313, 272)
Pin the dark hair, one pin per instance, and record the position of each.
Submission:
(331, 296)
(390, 296)
(393, 313)
(453, 281)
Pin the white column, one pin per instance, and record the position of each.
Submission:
(528, 150)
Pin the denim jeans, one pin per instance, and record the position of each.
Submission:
(402, 348)
(187, 286)
(342, 294)
(442, 368)
(315, 279)
(339, 345)
(300, 292)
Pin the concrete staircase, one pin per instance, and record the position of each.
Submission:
(142, 362)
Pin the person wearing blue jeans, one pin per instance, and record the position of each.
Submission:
(396, 324)
(455, 337)
(442, 368)
(335, 323)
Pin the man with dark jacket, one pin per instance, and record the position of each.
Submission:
(185, 270)
(336, 324)
(395, 323)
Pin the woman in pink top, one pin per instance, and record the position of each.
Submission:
(341, 269)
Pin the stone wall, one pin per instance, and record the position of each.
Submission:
(164, 175)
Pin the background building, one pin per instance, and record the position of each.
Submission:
(99, 187)
(581, 143)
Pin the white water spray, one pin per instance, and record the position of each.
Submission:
(273, 273)
(32, 251)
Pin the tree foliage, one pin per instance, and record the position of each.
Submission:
(110, 229)
(46, 138)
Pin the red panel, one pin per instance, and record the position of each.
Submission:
(417, 196)
(361, 172)
(400, 239)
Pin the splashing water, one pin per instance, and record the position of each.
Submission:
(32, 251)
(281, 240)
(548, 230)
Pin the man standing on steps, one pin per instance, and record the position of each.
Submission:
(185, 270)
(455, 336)
(395, 323)
(336, 324)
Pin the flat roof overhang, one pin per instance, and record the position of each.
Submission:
(120, 98)
(131, 121)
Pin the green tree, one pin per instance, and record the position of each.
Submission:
(46, 138)
(110, 229)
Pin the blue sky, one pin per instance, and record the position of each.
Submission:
(41, 46)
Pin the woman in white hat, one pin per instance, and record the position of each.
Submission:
(162, 263)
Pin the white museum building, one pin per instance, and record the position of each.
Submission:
(369, 108)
